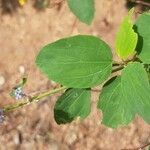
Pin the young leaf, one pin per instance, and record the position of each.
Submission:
(83, 9)
(78, 62)
(143, 28)
(126, 96)
(73, 103)
(126, 38)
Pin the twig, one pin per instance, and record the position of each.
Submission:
(35, 98)
(138, 148)
(142, 3)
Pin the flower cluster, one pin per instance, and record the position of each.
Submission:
(1, 116)
(18, 93)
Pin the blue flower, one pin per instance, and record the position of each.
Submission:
(18, 93)
(1, 116)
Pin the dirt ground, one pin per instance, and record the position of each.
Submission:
(22, 33)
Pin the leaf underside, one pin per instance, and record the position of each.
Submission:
(126, 96)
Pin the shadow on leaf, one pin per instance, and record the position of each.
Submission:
(140, 41)
(62, 117)
(110, 81)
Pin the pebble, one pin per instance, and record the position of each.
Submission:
(22, 20)
(2, 80)
(71, 137)
(16, 139)
(53, 146)
(21, 69)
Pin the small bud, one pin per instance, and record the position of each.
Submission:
(22, 69)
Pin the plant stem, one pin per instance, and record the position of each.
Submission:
(116, 63)
(28, 100)
(39, 97)
(36, 98)
(117, 68)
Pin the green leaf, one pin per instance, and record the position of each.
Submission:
(143, 28)
(83, 9)
(72, 104)
(126, 39)
(125, 96)
(76, 62)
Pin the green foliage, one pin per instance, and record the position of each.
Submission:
(73, 103)
(126, 96)
(76, 62)
(85, 61)
(126, 38)
(143, 28)
(83, 9)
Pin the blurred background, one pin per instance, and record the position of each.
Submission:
(23, 31)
